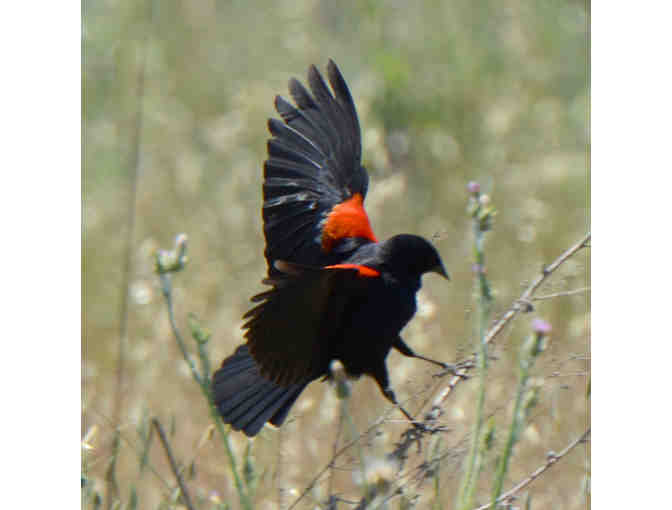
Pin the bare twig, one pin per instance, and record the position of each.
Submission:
(552, 459)
(564, 293)
(340, 452)
(173, 465)
(527, 295)
(412, 435)
(133, 446)
(569, 374)
(516, 307)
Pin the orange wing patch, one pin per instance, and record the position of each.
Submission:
(366, 271)
(347, 219)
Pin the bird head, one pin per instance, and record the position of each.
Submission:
(411, 255)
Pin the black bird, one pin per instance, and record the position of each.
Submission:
(337, 293)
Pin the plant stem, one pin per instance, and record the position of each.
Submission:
(173, 464)
(516, 423)
(203, 381)
(484, 302)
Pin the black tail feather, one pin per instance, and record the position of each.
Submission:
(246, 399)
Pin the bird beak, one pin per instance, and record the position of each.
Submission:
(439, 269)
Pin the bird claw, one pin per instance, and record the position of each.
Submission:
(450, 369)
(414, 434)
(421, 427)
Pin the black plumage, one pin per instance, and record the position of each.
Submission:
(336, 292)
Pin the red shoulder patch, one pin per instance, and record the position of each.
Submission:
(365, 271)
(347, 219)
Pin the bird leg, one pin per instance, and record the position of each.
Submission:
(381, 377)
(404, 349)
(389, 394)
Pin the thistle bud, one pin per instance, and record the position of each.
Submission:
(473, 187)
(168, 261)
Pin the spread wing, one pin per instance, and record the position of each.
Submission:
(314, 183)
(289, 333)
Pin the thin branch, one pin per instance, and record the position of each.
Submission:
(545, 273)
(568, 374)
(550, 461)
(136, 449)
(340, 452)
(173, 464)
(519, 305)
(564, 293)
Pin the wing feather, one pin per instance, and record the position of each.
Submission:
(313, 166)
(290, 329)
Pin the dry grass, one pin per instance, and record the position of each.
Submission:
(447, 93)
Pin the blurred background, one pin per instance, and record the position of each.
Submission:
(175, 101)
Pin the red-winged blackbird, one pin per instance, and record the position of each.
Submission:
(337, 293)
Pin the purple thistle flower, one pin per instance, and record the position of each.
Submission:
(541, 327)
(473, 187)
(477, 268)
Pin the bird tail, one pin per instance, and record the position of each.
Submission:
(246, 399)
